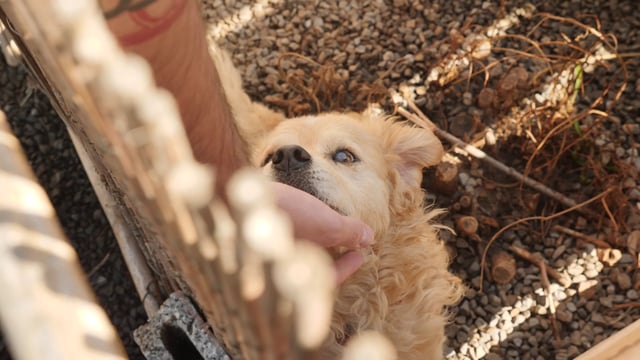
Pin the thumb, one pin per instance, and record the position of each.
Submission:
(348, 264)
(351, 233)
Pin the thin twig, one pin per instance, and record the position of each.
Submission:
(552, 304)
(611, 217)
(562, 279)
(422, 120)
(99, 265)
(581, 236)
(531, 218)
(545, 270)
(631, 305)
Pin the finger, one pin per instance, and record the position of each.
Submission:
(349, 232)
(315, 221)
(348, 264)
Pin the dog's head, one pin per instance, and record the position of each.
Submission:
(361, 165)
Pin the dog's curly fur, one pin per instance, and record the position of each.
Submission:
(404, 288)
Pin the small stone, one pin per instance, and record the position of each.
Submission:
(541, 310)
(486, 98)
(579, 279)
(560, 295)
(575, 269)
(609, 257)
(564, 316)
(467, 98)
(494, 300)
(624, 281)
(573, 351)
(576, 338)
(517, 342)
(464, 348)
(558, 252)
(626, 259)
(591, 273)
(606, 301)
(245, 14)
(481, 352)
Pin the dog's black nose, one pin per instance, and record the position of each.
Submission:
(290, 158)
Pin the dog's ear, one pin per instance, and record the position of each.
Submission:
(414, 148)
(408, 148)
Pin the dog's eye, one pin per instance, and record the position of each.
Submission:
(344, 156)
(267, 159)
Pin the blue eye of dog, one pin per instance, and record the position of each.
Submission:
(344, 156)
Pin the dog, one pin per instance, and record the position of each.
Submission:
(368, 166)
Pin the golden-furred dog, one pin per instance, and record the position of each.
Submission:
(367, 166)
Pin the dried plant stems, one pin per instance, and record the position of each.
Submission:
(631, 305)
(531, 218)
(545, 271)
(562, 279)
(422, 120)
(581, 236)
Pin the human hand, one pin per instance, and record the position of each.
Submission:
(313, 220)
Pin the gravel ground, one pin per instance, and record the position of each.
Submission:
(374, 45)
(396, 45)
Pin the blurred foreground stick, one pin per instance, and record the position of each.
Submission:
(47, 309)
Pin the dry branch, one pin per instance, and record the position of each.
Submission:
(545, 270)
(562, 279)
(422, 120)
(581, 236)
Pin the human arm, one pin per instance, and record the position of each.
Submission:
(170, 35)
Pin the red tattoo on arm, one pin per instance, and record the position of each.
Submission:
(138, 21)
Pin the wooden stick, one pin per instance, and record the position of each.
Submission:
(47, 307)
(562, 279)
(545, 270)
(581, 236)
(631, 305)
(503, 267)
(140, 272)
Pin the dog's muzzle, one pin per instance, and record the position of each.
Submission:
(291, 165)
(291, 159)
